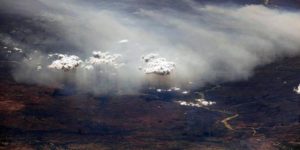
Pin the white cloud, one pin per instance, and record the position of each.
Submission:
(157, 65)
(65, 62)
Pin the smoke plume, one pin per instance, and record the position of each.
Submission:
(207, 43)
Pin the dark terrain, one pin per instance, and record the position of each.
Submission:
(266, 109)
(34, 117)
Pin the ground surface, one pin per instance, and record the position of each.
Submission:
(35, 117)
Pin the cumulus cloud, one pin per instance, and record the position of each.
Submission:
(157, 65)
(208, 43)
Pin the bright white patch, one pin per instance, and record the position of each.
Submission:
(103, 58)
(176, 88)
(50, 56)
(5, 47)
(157, 65)
(205, 102)
(39, 67)
(18, 50)
(185, 92)
(65, 62)
(197, 103)
(88, 67)
(123, 41)
(297, 90)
